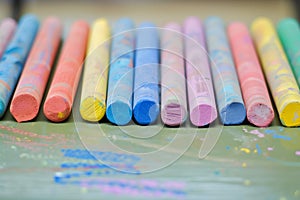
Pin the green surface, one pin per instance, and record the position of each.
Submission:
(42, 160)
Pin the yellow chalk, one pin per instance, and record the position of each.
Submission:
(94, 84)
(279, 75)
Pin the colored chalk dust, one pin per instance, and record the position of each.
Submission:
(156, 145)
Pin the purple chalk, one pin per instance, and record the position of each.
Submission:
(173, 89)
(7, 29)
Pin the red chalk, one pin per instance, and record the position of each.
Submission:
(254, 89)
(30, 89)
(62, 91)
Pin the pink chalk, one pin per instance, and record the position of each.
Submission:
(202, 104)
(7, 29)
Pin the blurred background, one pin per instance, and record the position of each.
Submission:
(158, 11)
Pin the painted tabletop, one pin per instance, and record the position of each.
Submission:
(80, 160)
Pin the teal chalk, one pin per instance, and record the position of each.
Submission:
(120, 81)
(226, 84)
(146, 78)
(14, 58)
(289, 33)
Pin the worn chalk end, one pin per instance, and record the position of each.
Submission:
(290, 115)
(233, 114)
(57, 109)
(203, 115)
(24, 107)
(92, 109)
(260, 115)
(119, 113)
(173, 114)
(146, 112)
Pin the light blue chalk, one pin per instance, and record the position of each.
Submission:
(120, 82)
(14, 57)
(146, 78)
(229, 98)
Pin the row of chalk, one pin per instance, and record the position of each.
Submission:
(142, 72)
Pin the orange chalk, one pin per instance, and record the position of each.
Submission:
(30, 89)
(253, 85)
(62, 91)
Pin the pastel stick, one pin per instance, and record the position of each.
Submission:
(201, 98)
(94, 82)
(281, 80)
(30, 89)
(173, 87)
(254, 89)
(229, 98)
(146, 78)
(120, 84)
(60, 98)
(14, 57)
(289, 33)
(7, 29)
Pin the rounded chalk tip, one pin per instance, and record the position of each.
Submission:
(260, 115)
(147, 25)
(24, 107)
(146, 112)
(57, 109)
(214, 19)
(8, 22)
(233, 114)
(260, 22)
(29, 17)
(203, 115)
(173, 114)
(119, 113)
(290, 114)
(92, 109)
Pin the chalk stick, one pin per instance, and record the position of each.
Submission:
(14, 57)
(120, 84)
(289, 33)
(7, 29)
(60, 98)
(281, 80)
(146, 74)
(254, 89)
(201, 98)
(229, 98)
(30, 89)
(173, 88)
(94, 82)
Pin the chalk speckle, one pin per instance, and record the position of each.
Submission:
(247, 182)
(246, 150)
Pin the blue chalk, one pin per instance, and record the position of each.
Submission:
(226, 84)
(120, 83)
(14, 57)
(146, 78)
